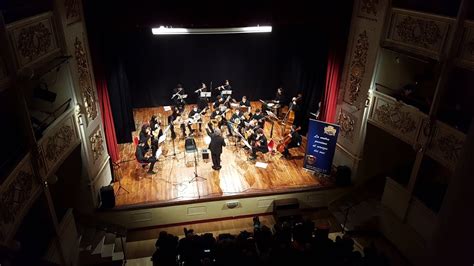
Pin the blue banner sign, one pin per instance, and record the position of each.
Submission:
(321, 145)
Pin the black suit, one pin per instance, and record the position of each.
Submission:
(140, 155)
(217, 142)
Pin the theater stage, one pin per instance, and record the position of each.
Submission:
(174, 180)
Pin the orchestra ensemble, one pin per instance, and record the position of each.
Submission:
(232, 116)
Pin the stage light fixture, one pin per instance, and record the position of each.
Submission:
(162, 30)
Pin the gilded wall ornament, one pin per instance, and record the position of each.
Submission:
(357, 67)
(85, 82)
(392, 116)
(369, 6)
(73, 13)
(97, 144)
(34, 41)
(420, 32)
(450, 147)
(14, 196)
(59, 142)
(346, 122)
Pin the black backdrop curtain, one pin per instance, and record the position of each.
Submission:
(143, 69)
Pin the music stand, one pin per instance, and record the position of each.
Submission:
(117, 168)
(206, 94)
(196, 177)
(173, 136)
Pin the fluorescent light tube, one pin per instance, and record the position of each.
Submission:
(174, 31)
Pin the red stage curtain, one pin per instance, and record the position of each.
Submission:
(107, 119)
(333, 77)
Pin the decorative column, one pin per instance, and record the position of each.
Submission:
(352, 110)
(94, 152)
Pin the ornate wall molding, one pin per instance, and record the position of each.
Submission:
(58, 142)
(347, 123)
(466, 53)
(357, 68)
(73, 11)
(399, 119)
(446, 145)
(393, 116)
(33, 39)
(97, 144)
(16, 195)
(85, 79)
(59, 139)
(368, 9)
(418, 32)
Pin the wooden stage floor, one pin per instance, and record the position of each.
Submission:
(174, 179)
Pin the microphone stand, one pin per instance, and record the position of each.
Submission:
(196, 176)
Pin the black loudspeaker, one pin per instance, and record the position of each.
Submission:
(107, 197)
(286, 210)
(205, 154)
(343, 176)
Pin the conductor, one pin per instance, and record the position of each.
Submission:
(216, 144)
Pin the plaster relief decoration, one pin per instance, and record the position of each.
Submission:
(97, 144)
(346, 122)
(418, 32)
(85, 82)
(395, 117)
(73, 12)
(368, 9)
(357, 68)
(15, 197)
(466, 53)
(58, 141)
(33, 39)
(446, 145)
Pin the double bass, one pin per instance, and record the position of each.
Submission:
(285, 141)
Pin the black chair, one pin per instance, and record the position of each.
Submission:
(189, 147)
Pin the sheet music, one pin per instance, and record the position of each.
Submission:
(161, 138)
(226, 92)
(158, 153)
(261, 165)
(166, 129)
(167, 108)
(206, 94)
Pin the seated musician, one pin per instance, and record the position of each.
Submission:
(140, 154)
(279, 99)
(144, 136)
(295, 142)
(224, 87)
(194, 117)
(295, 105)
(218, 119)
(259, 144)
(156, 132)
(238, 119)
(177, 97)
(219, 100)
(260, 117)
(176, 118)
(245, 102)
(202, 101)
